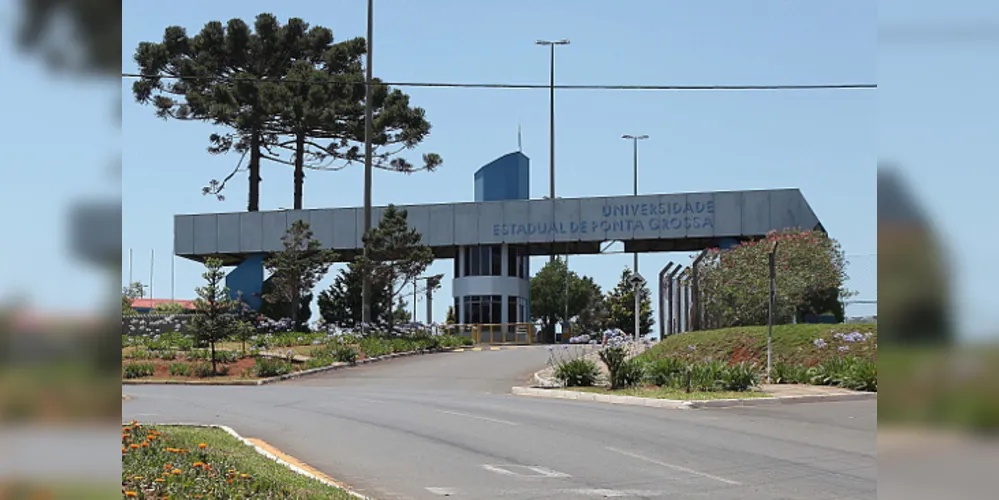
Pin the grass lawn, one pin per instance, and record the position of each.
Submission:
(793, 344)
(191, 462)
(669, 393)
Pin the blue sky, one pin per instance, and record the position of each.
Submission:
(820, 141)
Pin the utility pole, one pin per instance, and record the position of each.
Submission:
(551, 120)
(772, 264)
(368, 136)
(634, 141)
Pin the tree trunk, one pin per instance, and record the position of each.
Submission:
(392, 295)
(214, 361)
(253, 203)
(299, 168)
(294, 310)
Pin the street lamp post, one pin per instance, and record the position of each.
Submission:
(634, 141)
(551, 119)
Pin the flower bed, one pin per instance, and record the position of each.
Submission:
(191, 462)
(723, 360)
(174, 357)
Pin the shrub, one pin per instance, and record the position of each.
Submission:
(180, 369)
(373, 347)
(786, 373)
(167, 355)
(271, 367)
(849, 373)
(139, 353)
(201, 369)
(665, 372)
(197, 355)
(740, 377)
(580, 372)
(708, 376)
(137, 370)
(628, 374)
(225, 356)
(614, 358)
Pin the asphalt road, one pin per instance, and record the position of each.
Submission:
(445, 425)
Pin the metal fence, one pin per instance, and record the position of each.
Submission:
(682, 303)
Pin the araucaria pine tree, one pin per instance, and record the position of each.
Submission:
(396, 254)
(296, 269)
(214, 320)
(621, 305)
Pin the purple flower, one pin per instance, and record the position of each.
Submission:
(844, 348)
(819, 343)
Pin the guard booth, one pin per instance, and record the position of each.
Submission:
(496, 334)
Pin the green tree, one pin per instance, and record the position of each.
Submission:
(621, 307)
(126, 307)
(811, 273)
(324, 114)
(396, 254)
(548, 296)
(215, 319)
(276, 81)
(340, 304)
(228, 75)
(402, 313)
(278, 309)
(296, 269)
(594, 315)
(134, 290)
(451, 318)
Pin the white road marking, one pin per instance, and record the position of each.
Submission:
(444, 492)
(538, 471)
(672, 466)
(498, 421)
(498, 470)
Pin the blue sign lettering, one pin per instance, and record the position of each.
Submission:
(634, 217)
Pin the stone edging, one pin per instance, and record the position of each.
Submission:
(686, 405)
(258, 449)
(287, 376)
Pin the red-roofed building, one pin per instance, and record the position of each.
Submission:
(147, 305)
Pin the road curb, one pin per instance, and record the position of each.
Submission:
(676, 404)
(300, 470)
(287, 376)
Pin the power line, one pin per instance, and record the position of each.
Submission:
(529, 86)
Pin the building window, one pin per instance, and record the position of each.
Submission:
(468, 262)
(511, 310)
(496, 260)
(512, 252)
(522, 310)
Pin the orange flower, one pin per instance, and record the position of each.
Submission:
(197, 464)
(133, 446)
(124, 450)
(145, 444)
(168, 466)
(131, 494)
(151, 437)
(244, 476)
(159, 480)
(202, 446)
(177, 471)
(229, 481)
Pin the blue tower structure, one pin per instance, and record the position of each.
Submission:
(492, 282)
